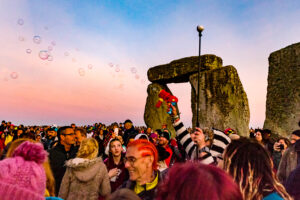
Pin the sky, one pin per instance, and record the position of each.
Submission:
(86, 61)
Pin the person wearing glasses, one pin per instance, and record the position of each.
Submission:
(141, 162)
(63, 151)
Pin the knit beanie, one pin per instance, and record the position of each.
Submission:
(22, 176)
(165, 135)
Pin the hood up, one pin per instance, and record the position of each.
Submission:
(84, 169)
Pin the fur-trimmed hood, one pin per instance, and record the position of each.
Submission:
(85, 169)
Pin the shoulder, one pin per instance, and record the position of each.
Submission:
(273, 196)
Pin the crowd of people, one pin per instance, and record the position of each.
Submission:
(121, 161)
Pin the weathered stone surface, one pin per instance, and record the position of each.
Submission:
(223, 101)
(178, 71)
(283, 96)
(156, 117)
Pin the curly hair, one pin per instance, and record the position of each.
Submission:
(88, 149)
(252, 169)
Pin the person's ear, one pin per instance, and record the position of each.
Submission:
(150, 160)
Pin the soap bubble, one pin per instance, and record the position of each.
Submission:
(43, 54)
(133, 70)
(37, 39)
(110, 64)
(28, 51)
(90, 66)
(81, 71)
(50, 57)
(137, 76)
(20, 21)
(53, 43)
(14, 75)
(117, 69)
(66, 53)
(21, 38)
(50, 48)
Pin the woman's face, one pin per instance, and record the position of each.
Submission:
(258, 136)
(116, 148)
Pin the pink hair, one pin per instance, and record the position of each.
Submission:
(197, 181)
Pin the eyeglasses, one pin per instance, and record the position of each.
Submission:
(131, 160)
(71, 134)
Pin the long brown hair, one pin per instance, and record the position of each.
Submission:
(252, 169)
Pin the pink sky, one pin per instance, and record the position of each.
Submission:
(48, 92)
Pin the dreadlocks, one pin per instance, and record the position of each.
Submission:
(252, 169)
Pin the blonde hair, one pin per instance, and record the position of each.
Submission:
(88, 149)
(50, 183)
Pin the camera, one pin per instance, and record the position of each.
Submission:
(281, 147)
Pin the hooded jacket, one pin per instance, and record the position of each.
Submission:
(85, 180)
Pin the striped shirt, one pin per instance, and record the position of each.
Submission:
(220, 142)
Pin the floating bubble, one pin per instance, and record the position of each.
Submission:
(28, 51)
(90, 66)
(50, 48)
(53, 43)
(37, 39)
(50, 58)
(81, 71)
(137, 76)
(117, 69)
(133, 70)
(66, 53)
(20, 21)
(110, 64)
(14, 75)
(21, 38)
(43, 54)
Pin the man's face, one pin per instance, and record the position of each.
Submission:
(294, 138)
(51, 134)
(69, 137)
(73, 126)
(128, 125)
(148, 131)
(116, 148)
(19, 132)
(137, 165)
(162, 141)
(78, 137)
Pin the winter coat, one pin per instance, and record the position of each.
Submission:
(288, 162)
(58, 156)
(130, 133)
(85, 180)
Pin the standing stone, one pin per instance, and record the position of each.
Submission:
(179, 71)
(283, 95)
(223, 101)
(156, 117)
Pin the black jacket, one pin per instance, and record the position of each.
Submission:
(128, 134)
(58, 156)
